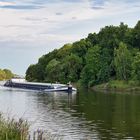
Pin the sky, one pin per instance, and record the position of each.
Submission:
(31, 28)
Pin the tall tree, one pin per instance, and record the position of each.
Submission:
(89, 75)
(30, 73)
(8, 74)
(136, 36)
(2, 75)
(122, 62)
(64, 51)
(52, 71)
(136, 67)
(72, 66)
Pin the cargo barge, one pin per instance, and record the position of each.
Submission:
(45, 87)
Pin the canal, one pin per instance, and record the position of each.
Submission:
(85, 115)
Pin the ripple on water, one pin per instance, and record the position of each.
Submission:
(72, 116)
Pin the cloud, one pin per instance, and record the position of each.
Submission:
(59, 37)
(27, 19)
(6, 3)
(97, 7)
(59, 13)
(33, 19)
(98, 2)
(21, 7)
(74, 18)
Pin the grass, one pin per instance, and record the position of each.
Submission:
(11, 129)
(42, 135)
(119, 85)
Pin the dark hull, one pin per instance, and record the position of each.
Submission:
(28, 86)
(38, 87)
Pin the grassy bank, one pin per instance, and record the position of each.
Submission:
(11, 129)
(116, 85)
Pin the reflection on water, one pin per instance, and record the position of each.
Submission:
(85, 115)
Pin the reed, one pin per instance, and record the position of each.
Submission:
(11, 129)
(43, 135)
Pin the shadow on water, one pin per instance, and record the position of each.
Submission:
(85, 115)
(115, 115)
(104, 115)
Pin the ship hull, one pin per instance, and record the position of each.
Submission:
(45, 87)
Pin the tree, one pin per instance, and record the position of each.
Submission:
(64, 51)
(122, 62)
(71, 67)
(2, 75)
(8, 74)
(106, 68)
(92, 38)
(136, 67)
(111, 36)
(52, 71)
(89, 75)
(5, 74)
(31, 73)
(136, 36)
(98, 57)
(80, 48)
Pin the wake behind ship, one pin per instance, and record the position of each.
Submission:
(46, 87)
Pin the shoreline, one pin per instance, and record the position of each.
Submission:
(118, 86)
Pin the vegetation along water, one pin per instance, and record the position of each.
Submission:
(5, 74)
(112, 54)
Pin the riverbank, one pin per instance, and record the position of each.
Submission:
(118, 86)
(11, 129)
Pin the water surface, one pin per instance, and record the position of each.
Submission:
(85, 115)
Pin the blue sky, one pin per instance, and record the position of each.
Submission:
(31, 28)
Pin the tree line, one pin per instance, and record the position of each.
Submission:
(5, 74)
(112, 53)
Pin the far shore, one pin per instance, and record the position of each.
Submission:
(118, 86)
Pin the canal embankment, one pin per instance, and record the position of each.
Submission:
(118, 86)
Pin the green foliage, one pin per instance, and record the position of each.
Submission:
(92, 38)
(97, 68)
(90, 72)
(2, 75)
(97, 59)
(72, 66)
(5, 74)
(136, 67)
(52, 71)
(118, 84)
(122, 62)
(67, 70)
(80, 48)
(13, 130)
(64, 51)
(136, 36)
(8, 74)
(31, 73)
(105, 62)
